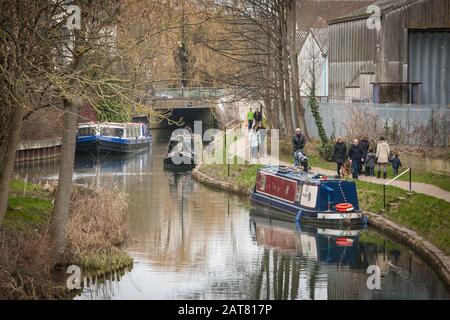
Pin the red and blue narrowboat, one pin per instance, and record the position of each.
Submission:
(308, 196)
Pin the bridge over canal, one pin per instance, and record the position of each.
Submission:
(184, 106)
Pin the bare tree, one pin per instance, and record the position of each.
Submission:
(44, 60)
(258, 37)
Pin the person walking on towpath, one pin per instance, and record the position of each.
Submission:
(257, 117)
(365, 145)
(298, 143)
(340, 154)
(255, 141)
(396, 163)
(370, 164)
(356, 154)
(250, 118)
(262, 133)
(382, 154)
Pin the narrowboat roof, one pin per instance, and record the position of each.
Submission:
(91, 124)
(181, 136)
(87, 124)
(292, 173)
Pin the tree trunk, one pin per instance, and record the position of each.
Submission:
(281, 99)
(300, 110)
(61, 210)
(8, 168)
(285, 72)
(292, 30)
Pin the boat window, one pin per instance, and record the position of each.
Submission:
(298, 194)
(130, 132)
(87, 131)
(133, 131)
(263, 182)
(112, 132)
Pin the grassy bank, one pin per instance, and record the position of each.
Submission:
(424, 214)
(96, 231)
(428, 216)
(242, 175)
(30, 206)
(438, 180)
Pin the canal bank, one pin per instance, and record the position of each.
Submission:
(439, 260)
(38, 150)
(96, 233)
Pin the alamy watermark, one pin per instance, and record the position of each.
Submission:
(374, 280)
(215, 146)
(374, 21)
(77, 282)
(74, 17)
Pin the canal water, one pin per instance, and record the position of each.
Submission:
(191, 242)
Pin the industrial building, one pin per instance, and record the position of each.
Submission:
(391, 52)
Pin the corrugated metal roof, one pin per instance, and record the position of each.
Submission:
(385, 6)
(300, 39)
(321, 36)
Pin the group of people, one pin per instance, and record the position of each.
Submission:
(257, 133)
(360, 154)
(254, 119)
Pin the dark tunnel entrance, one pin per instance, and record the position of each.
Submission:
(182, 117)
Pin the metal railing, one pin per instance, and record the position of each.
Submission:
(190, 93)
(392, 180)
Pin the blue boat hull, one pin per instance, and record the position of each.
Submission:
(106, 144)
(310, 216)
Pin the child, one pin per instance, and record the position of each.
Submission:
(370, 163)
(396, 163)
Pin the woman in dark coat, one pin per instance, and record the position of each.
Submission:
(365, 145)
(340, 154)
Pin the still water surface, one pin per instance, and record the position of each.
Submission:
(191, 242)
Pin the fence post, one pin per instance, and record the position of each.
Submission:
(226, 152)
(384, 196)
(410, 176)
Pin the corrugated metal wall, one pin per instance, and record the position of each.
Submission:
(429, 63)
(355, 49)
(352, 52)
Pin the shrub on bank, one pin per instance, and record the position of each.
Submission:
(97, 228)
(25, 271)
(326, 151)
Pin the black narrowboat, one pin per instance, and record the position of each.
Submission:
(180, 152)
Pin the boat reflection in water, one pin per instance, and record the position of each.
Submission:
(311, 262)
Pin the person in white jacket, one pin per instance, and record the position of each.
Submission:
(382, 156)
(255, 141)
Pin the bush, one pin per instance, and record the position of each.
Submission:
(25, 269)
(326, 151)
(98, 226)
(112, 110)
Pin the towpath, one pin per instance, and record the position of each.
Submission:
(242, 150)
